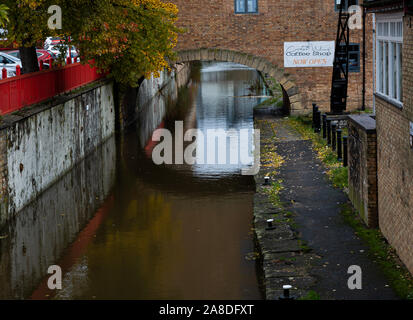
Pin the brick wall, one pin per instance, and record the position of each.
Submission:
(363, 167)
(213, 24)
(395, 161)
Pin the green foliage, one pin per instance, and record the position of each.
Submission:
(27, 22)
(277, 95)
(398, 276)
(304, 246)
(274, 193)
(276, 89)
(255, 86)
(336, 172)
(339, 177)
(367, 111)
(3, 15)
(129, 38)
(311, 295)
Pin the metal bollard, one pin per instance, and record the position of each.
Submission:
(328, 132)
(270, 226)
(324, 126)
(334, 136)
(339, 145)
(286, 295)
(317, 128)
(345, 151)
(314, 110)
(4, 73)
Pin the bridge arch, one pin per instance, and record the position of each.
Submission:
(292, 96)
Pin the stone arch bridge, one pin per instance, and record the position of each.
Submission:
(253, 33)
(290, 89)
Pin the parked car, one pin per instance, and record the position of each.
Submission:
(10, 63)
(57, 49)
(51, 41)
(42, 55)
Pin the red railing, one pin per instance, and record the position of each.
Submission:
(25, 90)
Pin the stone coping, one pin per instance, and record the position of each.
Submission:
(10, 119)
(364, 121)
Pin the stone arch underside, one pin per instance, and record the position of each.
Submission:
(252, 61)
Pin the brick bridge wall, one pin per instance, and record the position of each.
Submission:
(257, 40)
(362, 157)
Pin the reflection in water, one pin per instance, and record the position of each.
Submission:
(40, 233)
(150, 232)
(223, 102)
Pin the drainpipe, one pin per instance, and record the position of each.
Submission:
(407, 9)
(363, 107)
(374, 63)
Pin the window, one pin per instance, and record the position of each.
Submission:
(246, 6)
(354, 57)
(4, 60)
(15, 54)
(347, 4)
(389, 57)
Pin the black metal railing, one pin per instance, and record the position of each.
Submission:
(332, 133)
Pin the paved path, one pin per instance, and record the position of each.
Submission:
(316, 206)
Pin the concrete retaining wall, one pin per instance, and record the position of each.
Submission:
(40, 144)
(46, 226)
(155, 95)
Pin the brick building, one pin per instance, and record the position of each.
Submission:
(393, 46)
(260, 28)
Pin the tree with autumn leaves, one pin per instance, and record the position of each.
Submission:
(26, 28)
(129, 38)
(3, 15)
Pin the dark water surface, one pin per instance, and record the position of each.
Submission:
(121, 227)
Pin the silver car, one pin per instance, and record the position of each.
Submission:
(9, 62)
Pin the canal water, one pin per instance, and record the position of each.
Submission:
(121, 227)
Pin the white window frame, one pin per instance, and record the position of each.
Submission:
(246, 11)
(386, 86)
